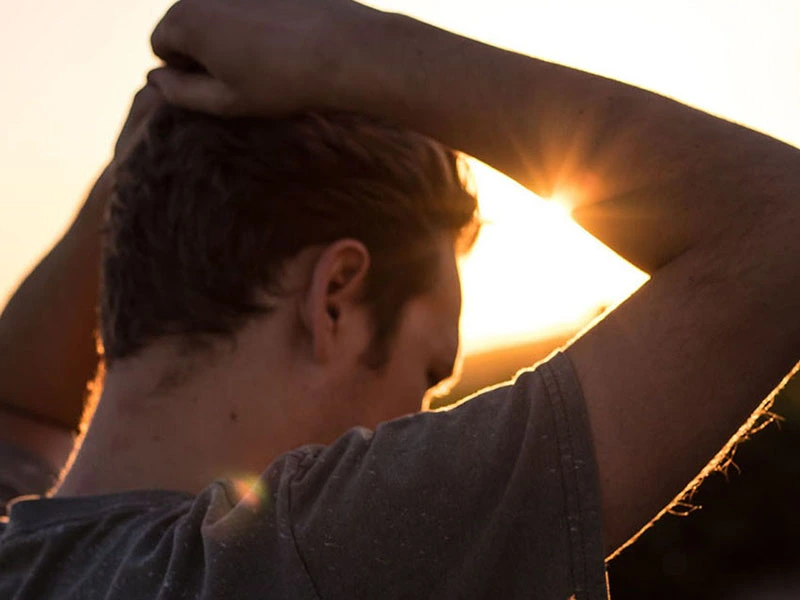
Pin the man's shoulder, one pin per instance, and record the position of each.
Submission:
(136, 544)
(483, 491)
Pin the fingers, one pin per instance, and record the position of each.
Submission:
(179, 37)
(194, 91)
(179, 40)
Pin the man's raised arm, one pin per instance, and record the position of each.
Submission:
(709, 208)
(47, 345)
(47, 342)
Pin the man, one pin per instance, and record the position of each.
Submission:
(707, 207)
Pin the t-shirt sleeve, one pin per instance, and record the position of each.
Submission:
(22, 474)
(497, 497)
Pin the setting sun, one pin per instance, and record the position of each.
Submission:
(533, 271)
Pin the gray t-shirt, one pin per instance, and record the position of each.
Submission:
(496, 498)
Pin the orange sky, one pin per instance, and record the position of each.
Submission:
(69, 69)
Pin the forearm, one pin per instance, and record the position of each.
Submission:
(710, 208)
(47, 344)
(647, 175)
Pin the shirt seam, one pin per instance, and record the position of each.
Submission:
(299, 459)
(570, 484)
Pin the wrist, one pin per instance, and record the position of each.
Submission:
(366, 72)
(412, 74)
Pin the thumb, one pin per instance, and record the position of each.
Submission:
(194, 90)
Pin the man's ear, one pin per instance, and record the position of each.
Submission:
(332, 302)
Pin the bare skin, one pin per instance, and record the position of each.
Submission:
(294, 377)
(709, 208)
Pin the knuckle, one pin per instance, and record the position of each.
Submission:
(176, 13)
(171, 30)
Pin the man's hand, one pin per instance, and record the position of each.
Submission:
(256, 56)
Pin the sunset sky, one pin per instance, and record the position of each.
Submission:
(69, 70)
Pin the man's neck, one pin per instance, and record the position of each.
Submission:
(211, 423)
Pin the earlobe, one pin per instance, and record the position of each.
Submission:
(336, 286)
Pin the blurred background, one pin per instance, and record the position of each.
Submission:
(534, 278)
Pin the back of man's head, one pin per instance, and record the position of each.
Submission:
(208, 211)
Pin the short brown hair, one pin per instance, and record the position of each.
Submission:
(207, 211)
